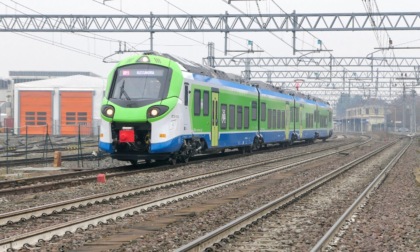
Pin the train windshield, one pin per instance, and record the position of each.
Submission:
(141, 82)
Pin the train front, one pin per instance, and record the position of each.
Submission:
(141, 116)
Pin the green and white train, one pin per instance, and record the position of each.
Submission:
(162, 107)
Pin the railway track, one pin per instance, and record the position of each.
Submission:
(46, 232)
(53, 182)
(290, 222)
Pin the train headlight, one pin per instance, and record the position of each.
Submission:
(156, 111)
(108, 111)
(144, 59)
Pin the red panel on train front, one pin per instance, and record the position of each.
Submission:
(126, 136)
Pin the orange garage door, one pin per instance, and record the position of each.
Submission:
(76, 109)
(35, 112)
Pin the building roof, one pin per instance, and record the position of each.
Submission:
(49, 74)
(79, 82)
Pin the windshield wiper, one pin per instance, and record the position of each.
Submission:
(122, 91)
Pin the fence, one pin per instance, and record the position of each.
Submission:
(37, 144)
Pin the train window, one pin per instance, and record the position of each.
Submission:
(231, 116)
(309, 120)
(246, 117)
(278, 119)
(206, 103)
(283, 119)
(274, 118)
(186, 95)
(239, 117)
(330, 116)
(223, 116)
(197, 102)
(269, 118)
(141, 82)
(263, 111)
(294, 114)
(254, 110)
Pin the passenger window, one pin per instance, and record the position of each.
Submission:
(206, 103)
(254, 110)
(231, 116)
(263, 111)
(246, 117)
(223, 116)
(239, 117)
(197, 102)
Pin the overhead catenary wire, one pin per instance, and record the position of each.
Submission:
(47, 41)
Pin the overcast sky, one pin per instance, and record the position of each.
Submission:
(20, 53)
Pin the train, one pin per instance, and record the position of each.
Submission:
(159, 106)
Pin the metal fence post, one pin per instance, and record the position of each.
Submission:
(7, 150)
(26, 145)
(99, 139)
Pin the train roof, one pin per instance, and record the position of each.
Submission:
(196, 68)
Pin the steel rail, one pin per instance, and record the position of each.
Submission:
(252, 217)
(15, 216)
(72, 226)
(330, 234)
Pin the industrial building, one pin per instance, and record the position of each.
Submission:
(59, 106)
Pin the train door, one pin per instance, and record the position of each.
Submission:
(214, 118)
(187, 120)
(287, 118)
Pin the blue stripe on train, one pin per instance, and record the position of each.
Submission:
(107, 147)
(226, 140)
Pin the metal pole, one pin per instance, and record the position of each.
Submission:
(7, 150)
(99, 139)
(226, 33)
(210, 58)
(395, 119)
(26, 143)
(294, 31)
(151, 33)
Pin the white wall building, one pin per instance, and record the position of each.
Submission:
(58, 105)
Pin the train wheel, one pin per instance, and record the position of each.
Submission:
(186, 159)
(147, 161)
(133, 162)
(249, 149)
(172, 161)
(255, 144)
